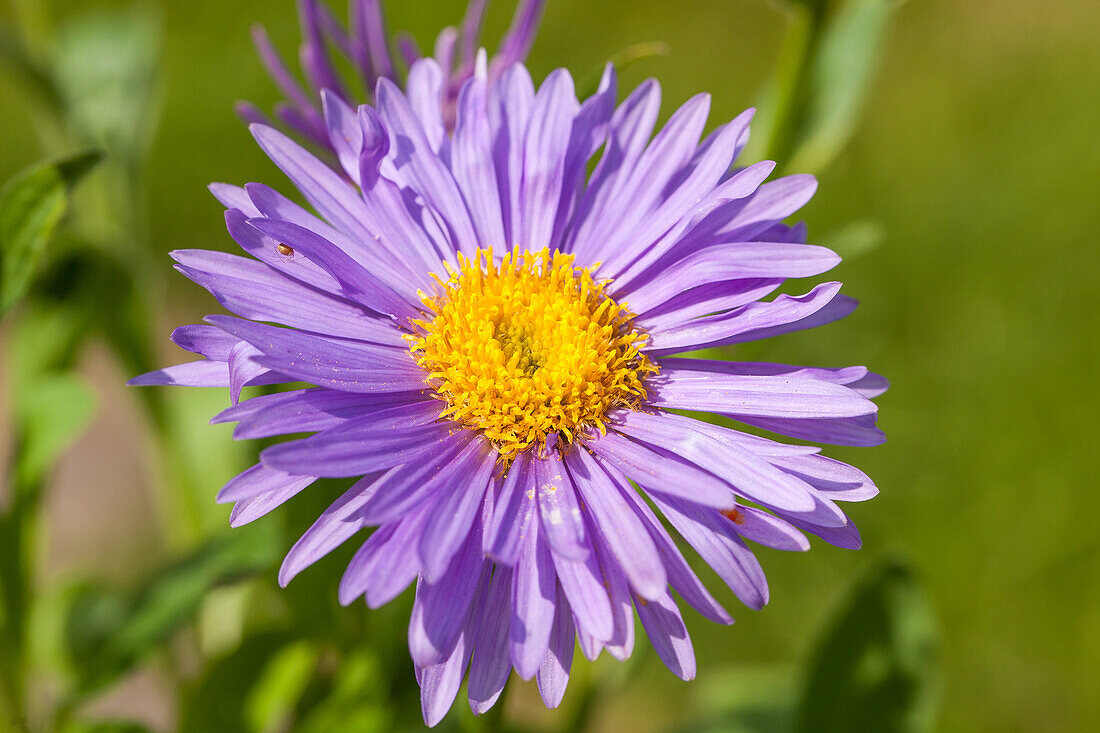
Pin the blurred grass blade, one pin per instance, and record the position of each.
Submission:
(624, 59)
(839, 77)
(31, 205)
(876, 666)
(176, 592)
(109, 631)
(51, 410)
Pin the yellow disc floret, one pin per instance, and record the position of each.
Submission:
(528, 348)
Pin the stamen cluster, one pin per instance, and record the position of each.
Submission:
(528, 348)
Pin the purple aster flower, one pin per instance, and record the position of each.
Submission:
(366, 47)
(487, 334)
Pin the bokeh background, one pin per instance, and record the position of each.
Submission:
(966, 204)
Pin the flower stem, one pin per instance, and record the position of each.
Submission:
(16, 576)
(788, 90)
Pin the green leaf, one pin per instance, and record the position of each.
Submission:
(109, 631)
(357, 702)
(44, 338)
(97, 289)
(840, 75)
(780, 107)
(271, 702)
(215, 702)
(106, 65)
(53, 409)
(876, 666)
(31, 205)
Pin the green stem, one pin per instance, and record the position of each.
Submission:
(791, 78)
(17, 535)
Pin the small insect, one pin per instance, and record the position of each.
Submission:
(734, 516)
(285, 250)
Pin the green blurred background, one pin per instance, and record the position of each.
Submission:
(967, 201)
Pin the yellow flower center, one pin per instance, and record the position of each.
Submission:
(528, 348)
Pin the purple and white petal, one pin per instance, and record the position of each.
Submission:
(665, 626)
(553, 674)
(261, 480)
(491, 664)
(439, 683)
(533, 594)
(621, 531)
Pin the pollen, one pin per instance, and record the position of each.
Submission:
(528, 348)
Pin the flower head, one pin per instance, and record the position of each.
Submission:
(366, 46)
(488, 332)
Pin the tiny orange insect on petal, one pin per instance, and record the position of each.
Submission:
(734, 516)
(284, 249)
